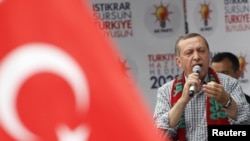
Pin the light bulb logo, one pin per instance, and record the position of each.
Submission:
(242, 62)
(162, 14)
(124, 66)
(205, 13)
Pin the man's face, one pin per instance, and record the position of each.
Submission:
(193, 51)
(226, 67)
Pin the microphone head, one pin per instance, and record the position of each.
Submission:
(197, 68)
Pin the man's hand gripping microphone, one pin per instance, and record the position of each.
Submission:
(196, 69)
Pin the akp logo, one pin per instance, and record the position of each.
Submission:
(205, 12)
(129, 67)
(243, 63)
(163, 19)
(244, 78)
(124, 66)
(205, 17)
(162, 14)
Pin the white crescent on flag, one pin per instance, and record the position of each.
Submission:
(26, 61)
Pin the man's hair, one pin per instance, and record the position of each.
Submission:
(187, 36)
(227, 55)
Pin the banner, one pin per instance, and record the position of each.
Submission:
(145, 33)
(60, 79)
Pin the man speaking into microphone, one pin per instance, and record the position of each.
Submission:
(199, 96)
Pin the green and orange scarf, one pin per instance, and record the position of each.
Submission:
(215, 113)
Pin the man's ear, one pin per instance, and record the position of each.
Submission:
(178, 61)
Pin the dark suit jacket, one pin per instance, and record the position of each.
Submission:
(248, 98)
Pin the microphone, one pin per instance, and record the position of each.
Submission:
(196, 69)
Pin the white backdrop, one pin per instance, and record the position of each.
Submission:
(145, 32)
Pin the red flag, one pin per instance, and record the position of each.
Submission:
(61, 80)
